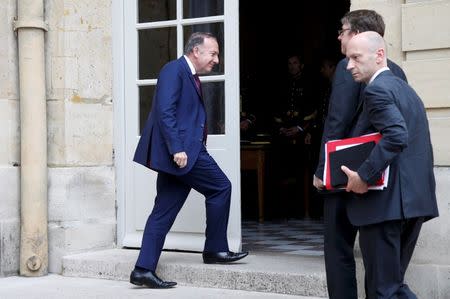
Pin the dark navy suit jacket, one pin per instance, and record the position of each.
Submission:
(176, 122)
(345, 105)
(393, 108)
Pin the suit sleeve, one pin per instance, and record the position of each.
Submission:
(168, 93)
(344, 99)
(386, 118)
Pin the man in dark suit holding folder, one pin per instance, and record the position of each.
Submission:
(344, 105)
(390, 220)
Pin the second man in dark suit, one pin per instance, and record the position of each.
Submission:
(389, 220)
(344, 107)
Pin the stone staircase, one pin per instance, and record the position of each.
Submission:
(269, 273)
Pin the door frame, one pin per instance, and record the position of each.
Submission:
(231, 56)
(118, 90)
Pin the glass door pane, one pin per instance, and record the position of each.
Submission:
(156, 48)
(146, 94)
(156, 10)
(214, 98)
(202, 8)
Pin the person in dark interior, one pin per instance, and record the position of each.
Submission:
(292, 124)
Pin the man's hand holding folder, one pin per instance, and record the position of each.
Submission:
(355, 183)
(350, 153)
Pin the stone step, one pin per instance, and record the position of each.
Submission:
(270, 273)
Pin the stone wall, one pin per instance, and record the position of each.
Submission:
(81, 179)
(82, 210)
(10, 143)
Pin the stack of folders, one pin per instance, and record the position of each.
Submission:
(351, 152)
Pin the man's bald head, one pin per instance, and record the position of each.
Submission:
(367, 54)
(372, 40)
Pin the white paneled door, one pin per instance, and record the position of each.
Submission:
(154, 32)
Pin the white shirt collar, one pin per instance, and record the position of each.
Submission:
(191, 66)
(377, 73)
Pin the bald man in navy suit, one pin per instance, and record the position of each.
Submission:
(173, 144)
(344, 107)
(389, 220)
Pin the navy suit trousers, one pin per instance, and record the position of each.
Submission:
(207, 178)
(339, 241)
(387, 248)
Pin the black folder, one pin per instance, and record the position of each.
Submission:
(352, 157)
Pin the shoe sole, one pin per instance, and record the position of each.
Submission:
(140, 284)
(136, 283)
(213, 261)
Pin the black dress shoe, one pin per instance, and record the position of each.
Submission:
(149, 279)
(222, 257)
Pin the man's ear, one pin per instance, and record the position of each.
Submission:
(380, 55)
(196, 51)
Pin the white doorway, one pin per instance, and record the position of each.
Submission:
(153, 33)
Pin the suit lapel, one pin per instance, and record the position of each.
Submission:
(190, 76)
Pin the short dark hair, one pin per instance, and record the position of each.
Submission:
(196, 38)
(329, 60)
(364, 20)
(295, 54)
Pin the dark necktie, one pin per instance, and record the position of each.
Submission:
(198, 84)
(199, 88)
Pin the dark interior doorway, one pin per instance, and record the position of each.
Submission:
(268, 34)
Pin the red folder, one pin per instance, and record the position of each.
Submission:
(336, 145)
